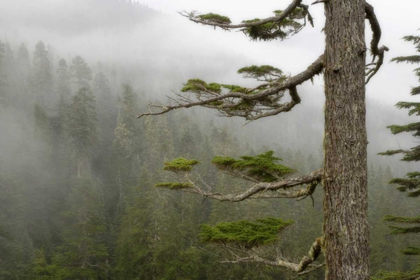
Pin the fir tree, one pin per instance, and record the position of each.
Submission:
(42, 74)
(411, 183)
(345, 144)
(82, 130)
(83, 254)
(63, 79)
(126, 145)
(80, 73)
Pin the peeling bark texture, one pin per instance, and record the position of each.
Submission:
(345, 173)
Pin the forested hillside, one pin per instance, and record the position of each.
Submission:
(78, 170)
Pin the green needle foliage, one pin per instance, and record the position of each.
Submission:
(199, 85)
(215, 18)
(180, 165)
(276, 30)
(174, 185)
(257, 72)
(262, 167)
(411, 183)
(411, 251)
(245, 234)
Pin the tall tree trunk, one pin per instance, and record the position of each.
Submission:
(345, 182)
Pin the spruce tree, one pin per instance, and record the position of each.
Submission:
(83, 255)
(80, 73)
(82, 129)
(411, 183)
(125, 145)
(63, 80)
(344, 177)
(42, 74)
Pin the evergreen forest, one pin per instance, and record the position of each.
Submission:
(84, 188)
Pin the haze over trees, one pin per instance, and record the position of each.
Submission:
(78, 170)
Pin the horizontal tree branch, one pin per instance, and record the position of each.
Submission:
(278, 18)
(300, 268)
(315, 176)
(309, 190)
(290, 84)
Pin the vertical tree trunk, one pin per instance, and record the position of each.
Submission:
(345, 206)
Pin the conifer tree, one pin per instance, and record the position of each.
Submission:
(344, 177)
(411, 183)
(23, 58)
(125, 145)
(106, 108)
(63, 79)
(82, 130)
(133, 249)
(83, 254)
(42, 74)
(24, 76)
(80, 73)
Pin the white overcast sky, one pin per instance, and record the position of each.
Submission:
(397, 18)
(180, 37)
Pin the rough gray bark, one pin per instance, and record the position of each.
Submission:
(345, 172)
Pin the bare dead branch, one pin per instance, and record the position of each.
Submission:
(377, 52)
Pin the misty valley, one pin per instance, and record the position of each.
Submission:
(129, 151)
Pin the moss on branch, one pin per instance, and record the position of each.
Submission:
(244, 233)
